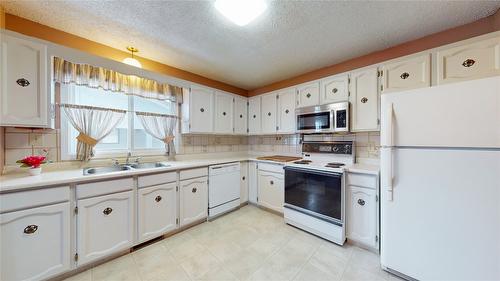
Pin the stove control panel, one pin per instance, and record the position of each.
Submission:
(340, 147)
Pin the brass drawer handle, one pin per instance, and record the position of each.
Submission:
(364, 100)
(194, 190)
(158, 198)
(107, 211)
(468, 62)
(23, 82)
(271, 182)
(405, 75)
(361, 202)
(334, 90)
(308, 95)
(202, 109)
(30, 229)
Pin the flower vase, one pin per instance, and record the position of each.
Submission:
(35, 171)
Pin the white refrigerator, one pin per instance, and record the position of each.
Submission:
(440, 181)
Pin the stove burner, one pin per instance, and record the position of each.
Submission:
(334, 165)
(304, 162)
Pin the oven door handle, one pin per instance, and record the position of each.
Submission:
(312, 171)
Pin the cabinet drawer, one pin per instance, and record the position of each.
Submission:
(471, 61)
(407, 74)
(274, 168)
(33, 198)
(155, 179)
(193, 173)
(103, 187)
(364, 180)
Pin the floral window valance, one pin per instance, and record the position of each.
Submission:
(110, 80)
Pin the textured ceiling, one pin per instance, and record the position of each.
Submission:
(290, 38)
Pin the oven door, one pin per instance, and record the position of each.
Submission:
(315, 121)
(316, 193)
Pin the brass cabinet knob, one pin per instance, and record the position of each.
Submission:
(404, 75)
(30, 229)
(364, 99)
(334, 90)
(193, 190)
(241, 115)
(271, 182)
(243, 178)
(224, 113)
(23, 82)
(468, 62)
(269, 114)
(287, 111)
(361, 202)
(107, 211)
(308, 95)
(158, 198)
(254, 116)
(202, 109)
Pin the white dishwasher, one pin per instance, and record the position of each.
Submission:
(223, 188)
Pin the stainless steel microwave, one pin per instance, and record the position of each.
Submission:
(328, 118)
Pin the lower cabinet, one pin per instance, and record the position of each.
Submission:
(193, 200)
(35, 243)
(252, 182)
(244, 182)
(157, 213)
(271, 190)
(104, 226)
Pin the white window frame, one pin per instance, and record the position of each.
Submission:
(66, 154)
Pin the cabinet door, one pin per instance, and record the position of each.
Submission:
(244, 182)
(157, 210)
(35, 243)
(201, 111)
(240, 116)
(362, 216)
(286, 111)
(364, 100)
(268, 113)
(471, 61)
(252, 182)
(254, 124)
(104, 226)
(24, 97)
(271, 191)
(194, 200)
(223, 113)
(334, 89)
(308, 94)
(407, 74)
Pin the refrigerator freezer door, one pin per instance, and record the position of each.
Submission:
(444, 220)
(465, 114)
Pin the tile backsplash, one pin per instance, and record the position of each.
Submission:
(20, 142)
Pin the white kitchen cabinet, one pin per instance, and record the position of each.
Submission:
(35, 243)
(198, 111)
(271, 190)
(240, 116)
(268, 110)
(223, 113)
(254, 112)
(244, 182)
(286, 111)
(24, 95)
(104, 226)
(364, 100)
(362, 219)
(308, 94)
(406, 74)
(252, 182)
(193, 200)
(470, 61)
(157, 211)
(334, 89)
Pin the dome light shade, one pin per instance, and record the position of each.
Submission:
(132, 61)
(241, 12)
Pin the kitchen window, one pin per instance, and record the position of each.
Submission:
(128, 136)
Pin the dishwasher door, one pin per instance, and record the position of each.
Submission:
(224, 184)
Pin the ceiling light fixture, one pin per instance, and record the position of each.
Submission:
(132, 61)
(241, 12)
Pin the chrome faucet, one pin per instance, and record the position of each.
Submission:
(128, 158)
(137, 160)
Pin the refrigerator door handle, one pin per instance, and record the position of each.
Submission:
(386, 172)
(387, 126)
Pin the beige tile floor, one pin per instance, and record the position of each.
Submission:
(248, 244)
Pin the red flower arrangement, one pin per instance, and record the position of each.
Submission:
(33, 161)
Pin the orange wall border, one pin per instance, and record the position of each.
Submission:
(479, 27)
(34, 29)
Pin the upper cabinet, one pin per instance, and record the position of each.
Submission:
(471, 61)
(197, 111)
(223, 113)
(268, 113)
(334, 89)
(240, 116)
(24, 95)
(254, 124)
(308, 94)
(410, 73)
(286, 111)
(364, 100)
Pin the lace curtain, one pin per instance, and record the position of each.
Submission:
(93, 124)
(110, 80)
(160, 126)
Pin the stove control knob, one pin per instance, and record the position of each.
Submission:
(347, 148)
(335, 149)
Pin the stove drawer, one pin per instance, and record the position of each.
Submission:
(363, 180)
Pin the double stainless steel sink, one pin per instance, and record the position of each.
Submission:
(122, 167)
